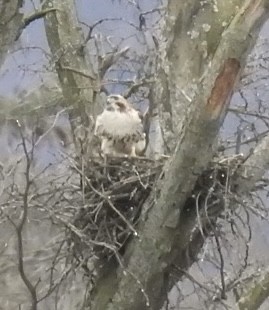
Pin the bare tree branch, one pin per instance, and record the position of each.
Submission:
(31, 18)
(110, 59)
(197, 129)
(79, 72)
(202, 52)
(19, 227)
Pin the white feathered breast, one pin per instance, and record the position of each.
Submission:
(119, 124)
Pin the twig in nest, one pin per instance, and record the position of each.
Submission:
(107, 199)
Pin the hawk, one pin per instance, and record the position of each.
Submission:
(120, 128)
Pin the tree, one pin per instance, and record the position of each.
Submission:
(201, 53)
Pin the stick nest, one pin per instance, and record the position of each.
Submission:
(115, 190)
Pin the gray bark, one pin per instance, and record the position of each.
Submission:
(10, 23)
(255, 292)
(196, 80)
(13, 22)
(194, 44)
(76, 76)
(254, 167)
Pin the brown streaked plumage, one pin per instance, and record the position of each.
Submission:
(120, 128)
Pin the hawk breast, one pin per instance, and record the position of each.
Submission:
(121, 124)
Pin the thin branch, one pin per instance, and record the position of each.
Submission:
(192, 279)
(31, 18)
(50, 128)
(84, 74)
(110, 59)
(19, 227)
(223, 284)
(36, 15)
(136, 85)
(91, 27)
(107, 199)
(248, 113)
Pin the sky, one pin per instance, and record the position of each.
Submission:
(27, 63)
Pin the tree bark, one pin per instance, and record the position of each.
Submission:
(75, 72)
(196, 81)
(198, 35)
(10, 23)
(254, 167)
(256, 293)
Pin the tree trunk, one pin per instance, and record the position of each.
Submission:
(199, 68)
(75, 72)
(11, 21)
(255, 292)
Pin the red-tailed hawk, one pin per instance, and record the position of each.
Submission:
(120, 128)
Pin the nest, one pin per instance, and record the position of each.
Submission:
(115, 190)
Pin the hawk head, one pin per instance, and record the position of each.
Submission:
(117, 103)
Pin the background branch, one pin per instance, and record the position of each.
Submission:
(20, 226)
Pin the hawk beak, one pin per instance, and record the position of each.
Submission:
(108, 101)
